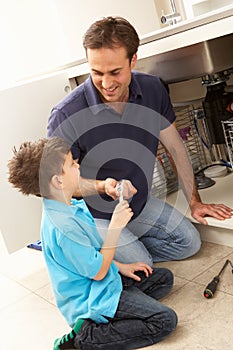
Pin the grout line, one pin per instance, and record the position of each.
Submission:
(43, 298)
(211, 266)
(15, 302)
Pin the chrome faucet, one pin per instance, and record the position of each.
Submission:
(173, 17)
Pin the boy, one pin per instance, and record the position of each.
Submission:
(110, 305)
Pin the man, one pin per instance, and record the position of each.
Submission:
(117, 116)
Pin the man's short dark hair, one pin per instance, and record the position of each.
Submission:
(111, 32)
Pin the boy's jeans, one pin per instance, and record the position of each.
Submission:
(140, 319)
(159, 233)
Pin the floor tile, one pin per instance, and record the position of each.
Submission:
(178, 284)
(46, 293)
(190, 268)
(31, 324)
(27, 267)
(10, 292)
(28, 307)
(203, 323)
(3, 250)
(226, 277)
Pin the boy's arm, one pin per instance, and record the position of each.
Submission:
(121, 216)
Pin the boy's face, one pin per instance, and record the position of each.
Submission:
(111, 72)
(71, 174)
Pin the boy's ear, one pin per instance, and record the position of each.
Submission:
(56, 181)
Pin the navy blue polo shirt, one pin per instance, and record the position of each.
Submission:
(109, 144)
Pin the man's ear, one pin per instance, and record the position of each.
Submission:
(133, 60)
(56, 181)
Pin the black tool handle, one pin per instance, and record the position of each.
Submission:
(211, 288)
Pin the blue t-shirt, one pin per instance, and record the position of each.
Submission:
(109, 144)
(71, 245)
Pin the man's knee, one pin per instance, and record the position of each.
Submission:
(127, 256)
(193, 244)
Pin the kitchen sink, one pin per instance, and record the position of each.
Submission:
(193, 61)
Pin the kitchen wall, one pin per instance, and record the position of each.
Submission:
(76, 17)
(31, 39)
(24, 113)
(40, 35)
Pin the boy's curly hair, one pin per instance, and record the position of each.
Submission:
(35, 163)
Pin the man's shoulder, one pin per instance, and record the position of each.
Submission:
(146, 78)
(150, 86)
(73, 101)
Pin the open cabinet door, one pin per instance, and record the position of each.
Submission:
(24, 114)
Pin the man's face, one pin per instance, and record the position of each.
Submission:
(111, 72)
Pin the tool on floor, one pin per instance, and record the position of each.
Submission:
(212, 286)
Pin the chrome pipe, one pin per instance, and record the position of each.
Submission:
(171, 18)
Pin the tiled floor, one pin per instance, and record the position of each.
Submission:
(30, 320)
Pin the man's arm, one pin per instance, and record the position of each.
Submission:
(88, 187)
(179, 158)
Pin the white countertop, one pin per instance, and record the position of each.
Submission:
(221, 192)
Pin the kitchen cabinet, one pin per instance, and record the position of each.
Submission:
(220, 232)
(40, 35)
(198, 7)
(24, 112)
(31, 40)
(167, 40)
(76, 16)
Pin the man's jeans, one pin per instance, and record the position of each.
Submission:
(159, 233)
(140, 319)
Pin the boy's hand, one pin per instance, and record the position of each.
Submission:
(121, 215)
(111, 188)
(129, 270)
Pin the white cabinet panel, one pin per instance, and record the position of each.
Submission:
(195, 8)
(75, 17)
(24, 113)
